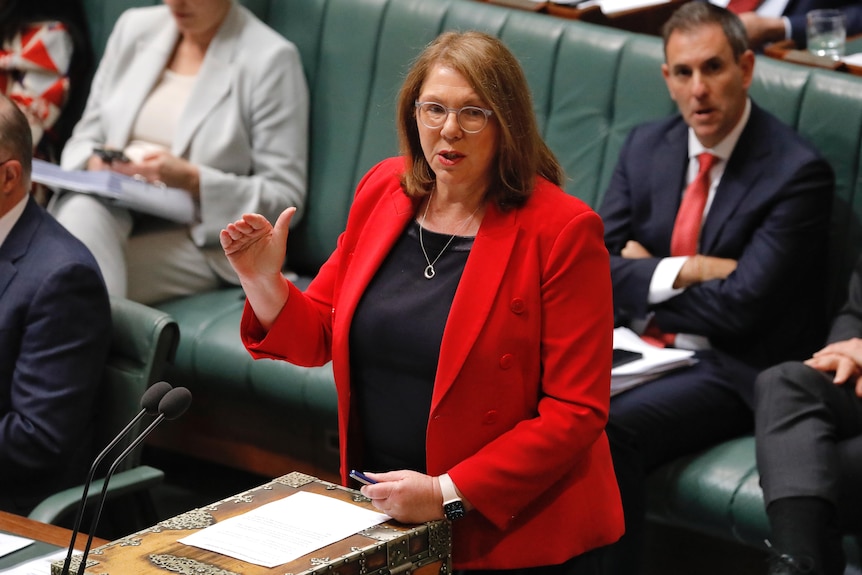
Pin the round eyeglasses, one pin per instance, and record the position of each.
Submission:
(472, 119)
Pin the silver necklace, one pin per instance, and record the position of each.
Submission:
(429, 269)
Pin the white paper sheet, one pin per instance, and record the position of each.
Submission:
(39, 566)
(11, 543)
(655, 361)
(285, 530)
(615, 6)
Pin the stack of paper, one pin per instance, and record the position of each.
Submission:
(655, 361)
(169, 203)
(286, 529)
(11, 543)
(611, 7)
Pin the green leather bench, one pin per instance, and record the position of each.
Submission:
(590, 85)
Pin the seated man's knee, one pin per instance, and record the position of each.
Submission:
(790, 377)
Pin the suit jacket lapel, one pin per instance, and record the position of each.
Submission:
(213, 82)
(379, 233)
(667, 182)
(744, 168)
(16, 244)
(151, 58)
(476, 293)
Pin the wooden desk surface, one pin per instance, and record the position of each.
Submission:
(786, 50)
(43, 532)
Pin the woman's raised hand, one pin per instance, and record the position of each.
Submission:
(254, 247)
(256, 250)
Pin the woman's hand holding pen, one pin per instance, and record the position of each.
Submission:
(256, 249)
(406, 496)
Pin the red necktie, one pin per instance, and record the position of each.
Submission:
(686, 229)
(686, 232)
(740, 6)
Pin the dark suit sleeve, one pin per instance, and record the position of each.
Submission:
(55, 377)
(631, 278)
(779, 257)
(848, 322)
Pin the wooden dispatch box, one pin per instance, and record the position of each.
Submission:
(390, 548)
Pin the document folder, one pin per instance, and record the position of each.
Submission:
(652, 363)
(168, 203)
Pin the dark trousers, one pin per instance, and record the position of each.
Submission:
(680, 413)
(809, 439)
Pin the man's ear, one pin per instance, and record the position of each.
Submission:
(11, 175)
(746, 63)
(665, 73)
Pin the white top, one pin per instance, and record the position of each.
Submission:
(157, 121)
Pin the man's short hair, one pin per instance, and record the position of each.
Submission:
(693, 15)
(16, 139)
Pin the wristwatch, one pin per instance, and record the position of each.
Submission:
(453, 507)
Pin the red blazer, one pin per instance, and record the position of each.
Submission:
(521, 395)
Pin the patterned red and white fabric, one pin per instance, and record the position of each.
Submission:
(34, 67)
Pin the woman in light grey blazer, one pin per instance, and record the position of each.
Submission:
(202, 96)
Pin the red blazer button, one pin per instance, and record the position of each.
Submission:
(490, 418)
(518, 305)
(507, 361)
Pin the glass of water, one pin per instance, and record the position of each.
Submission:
(827, 33)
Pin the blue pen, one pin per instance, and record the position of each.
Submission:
(361, 477)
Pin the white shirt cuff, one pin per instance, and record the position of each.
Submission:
(661, 285)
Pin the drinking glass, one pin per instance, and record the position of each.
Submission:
(827, 32)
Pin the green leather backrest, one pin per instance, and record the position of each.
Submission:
(590, 86)
(101, 15)
(831, 118)
(143, 341)
(825, 108)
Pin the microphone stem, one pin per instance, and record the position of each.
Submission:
(79, 516)
(137, 441)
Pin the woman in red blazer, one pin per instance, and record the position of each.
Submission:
(467, 313)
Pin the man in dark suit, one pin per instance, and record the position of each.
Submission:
(55, 329)
(808, 429)
(768, 22)
(713, 248)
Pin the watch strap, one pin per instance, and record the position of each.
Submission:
(447, 488)
(453, 507)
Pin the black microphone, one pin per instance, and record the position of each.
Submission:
(149, 406)
(172, 405)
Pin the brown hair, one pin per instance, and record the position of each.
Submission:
(692, 15)
(497, 78)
